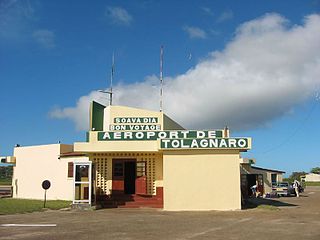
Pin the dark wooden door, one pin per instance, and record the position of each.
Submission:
(129, 177)
(117, 177)
(141, 179)
(260, 187)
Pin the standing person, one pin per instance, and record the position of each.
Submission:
(254, 190)
(296, 187)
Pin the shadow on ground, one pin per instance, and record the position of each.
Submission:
(256, 202)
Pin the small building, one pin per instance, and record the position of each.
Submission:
(312, 177)
(134, 157)
(34, 164)
(264, 178)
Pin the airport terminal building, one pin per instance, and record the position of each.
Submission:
(136, 158)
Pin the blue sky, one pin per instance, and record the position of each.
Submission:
(251, 65)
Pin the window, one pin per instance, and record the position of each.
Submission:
(274, 179)
(82, 173)
(70, 169)
(141, 169)
(118, 169)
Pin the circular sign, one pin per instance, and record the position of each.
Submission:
(46, 184)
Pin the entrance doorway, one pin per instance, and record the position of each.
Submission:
(251, 180)
(255, 179)
(82, 182)
(128, 177)
(123, 176)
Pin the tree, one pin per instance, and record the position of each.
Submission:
(315, 170)
(6, 172)
(294, 176)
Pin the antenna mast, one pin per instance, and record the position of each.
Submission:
(161, 77)
(111, 81)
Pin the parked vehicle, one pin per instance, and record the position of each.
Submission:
(301, 189)
(283, 189)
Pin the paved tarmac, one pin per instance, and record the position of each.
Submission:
(287, 218)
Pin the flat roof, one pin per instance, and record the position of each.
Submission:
(267, 169)
(73, 154)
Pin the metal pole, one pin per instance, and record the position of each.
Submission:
(161, 78)
(111, 80)
(45, 198)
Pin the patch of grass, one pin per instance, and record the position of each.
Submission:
(5, 181)
(312, 183)
(12, 206)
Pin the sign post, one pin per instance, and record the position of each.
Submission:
(45, 185)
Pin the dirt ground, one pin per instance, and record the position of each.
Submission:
(287, 218)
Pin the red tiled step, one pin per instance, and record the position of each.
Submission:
(131, 201)
(141, 206)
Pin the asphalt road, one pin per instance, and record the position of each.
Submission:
(288, 218)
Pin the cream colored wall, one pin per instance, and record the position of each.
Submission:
(111, 112)
(311, 177)
(201, 180)
(280, 177)
(107, 120)
(159, 171)
(34, 164)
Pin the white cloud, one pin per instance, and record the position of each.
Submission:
(225, 16)
(79, 112)
(207, 11)
(267, 69)
(118, 15)
(15, 19)
(195, 32)
(44, 37)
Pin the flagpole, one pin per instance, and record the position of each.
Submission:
(110, 92)
(161, 78)
(111, 80)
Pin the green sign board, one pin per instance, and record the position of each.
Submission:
(205, 143)
(136, 120)
(154, 135)
(147, 127)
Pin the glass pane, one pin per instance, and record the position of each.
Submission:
(141, 169)
(81, 191)
(82, 173)
(274, 179)
(118, 170)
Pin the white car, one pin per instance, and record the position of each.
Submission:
(283, 189)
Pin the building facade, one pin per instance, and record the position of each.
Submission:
(134, 157)
(264, 178)
(312, 177)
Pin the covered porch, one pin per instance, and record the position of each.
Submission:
(127, 179)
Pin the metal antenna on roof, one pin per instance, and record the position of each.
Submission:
(110, 92)
(111, 79)
(161, 77)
